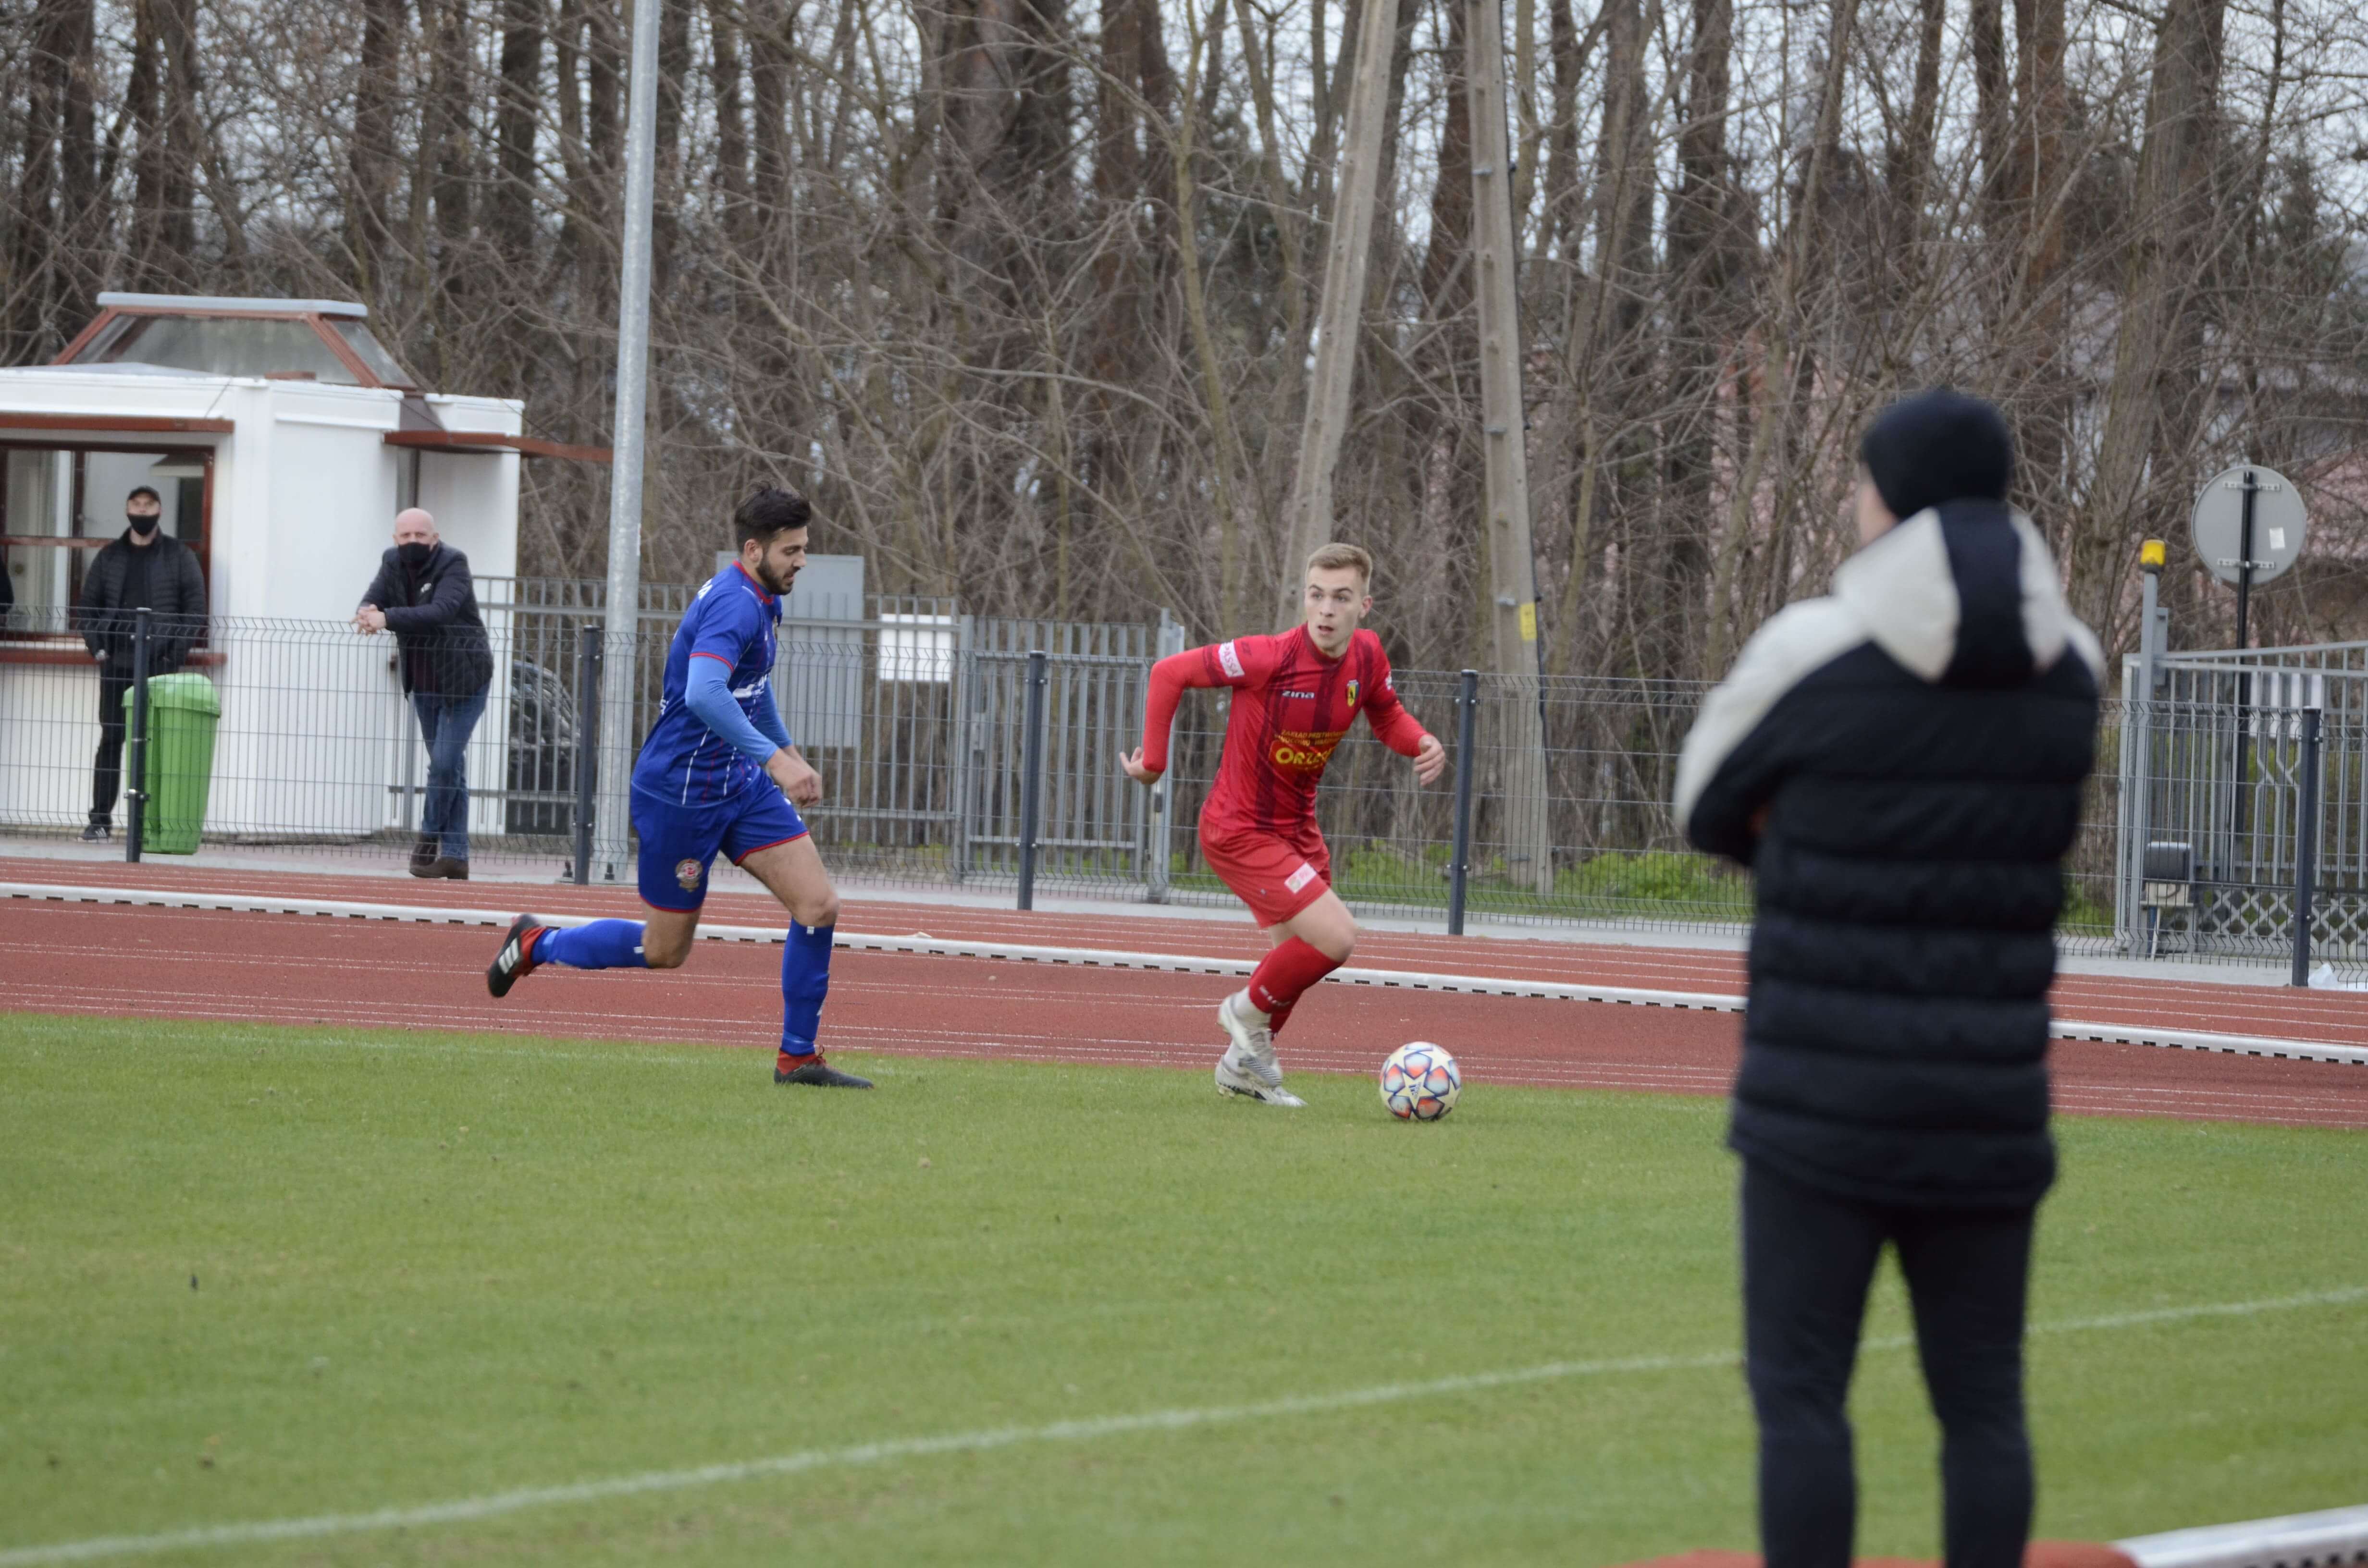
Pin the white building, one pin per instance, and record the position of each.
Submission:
(283, 438)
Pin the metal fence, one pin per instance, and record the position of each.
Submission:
(917, 718)
(2244, 787)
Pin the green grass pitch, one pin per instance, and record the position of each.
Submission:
(249, 1274)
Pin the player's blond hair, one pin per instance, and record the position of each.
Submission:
(1337, 557)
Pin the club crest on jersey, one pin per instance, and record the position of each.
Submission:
(1352, 693)
(687, 873)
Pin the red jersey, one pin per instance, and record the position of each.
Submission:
(1292, 707)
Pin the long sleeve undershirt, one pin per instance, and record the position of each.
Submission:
(707, 692)
(1169, 678)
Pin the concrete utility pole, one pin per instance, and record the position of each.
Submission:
(1341, 312)
(613, 849)
(1525, 825)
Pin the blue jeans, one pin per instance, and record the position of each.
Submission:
(445, 723)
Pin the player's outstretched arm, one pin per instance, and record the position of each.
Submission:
(1403, 733)
(1170, 677)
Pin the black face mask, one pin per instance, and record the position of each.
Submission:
(413, 555)
(142, 526)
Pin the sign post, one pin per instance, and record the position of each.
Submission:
(2248, 526)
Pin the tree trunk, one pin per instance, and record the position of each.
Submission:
(161, 101)
(510, 204)
(1446, 275)
(447, 152)
(370, 153)
(724, 75)
(1704, 328)
(1909, 171)
(1784, 329)
(1992, 108)
(2152, 405)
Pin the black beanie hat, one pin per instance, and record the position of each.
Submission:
(1938, 446)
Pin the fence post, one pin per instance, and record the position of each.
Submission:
(135, 771)
(2306, 845)
(963, 768)
(1459, 871)
(1031, 779)
(588, 747)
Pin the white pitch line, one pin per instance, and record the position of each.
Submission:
(497, 1504)
(1099, 957)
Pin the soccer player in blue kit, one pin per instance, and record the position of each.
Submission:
(718, 772)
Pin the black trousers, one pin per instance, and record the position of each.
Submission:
(107, 774)
(1808, 1258)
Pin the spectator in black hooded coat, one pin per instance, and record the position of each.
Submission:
(424, 595)
(144, 568)
(1900, 764)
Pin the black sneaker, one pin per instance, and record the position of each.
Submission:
(515, 958)
(97, 833)
(812, 1069)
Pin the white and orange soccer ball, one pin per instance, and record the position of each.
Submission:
(1421, 1082)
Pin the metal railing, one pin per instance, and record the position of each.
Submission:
(2244, 828)
(917, 718)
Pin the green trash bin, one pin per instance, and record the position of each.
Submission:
(182, 713)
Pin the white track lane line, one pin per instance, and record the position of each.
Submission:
(495, 1504)
(920, 944)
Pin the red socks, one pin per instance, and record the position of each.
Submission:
(1284, 974)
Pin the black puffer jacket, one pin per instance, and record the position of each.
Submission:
(433, 614)
(1918, 741)
(177, 600)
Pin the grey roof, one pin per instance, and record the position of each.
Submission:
(231, 302)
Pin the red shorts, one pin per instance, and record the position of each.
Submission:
(1277, 875)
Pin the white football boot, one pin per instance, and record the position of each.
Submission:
(1248, 1068)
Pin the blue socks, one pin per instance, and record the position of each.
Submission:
(616, 944)
(805, 980)
(604, 944)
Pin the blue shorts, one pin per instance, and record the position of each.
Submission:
(679, 842)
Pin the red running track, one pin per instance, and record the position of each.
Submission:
(2233, 1009)
(195, 964)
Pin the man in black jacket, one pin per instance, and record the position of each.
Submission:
(1901, 766)
(146, 568)
(423, 593)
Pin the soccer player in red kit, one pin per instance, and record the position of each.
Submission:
(1294, 697)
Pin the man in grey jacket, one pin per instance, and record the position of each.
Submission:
(144, 569)
(422, 594)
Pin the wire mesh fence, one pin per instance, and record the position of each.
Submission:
(2244, 782)
(916, 716)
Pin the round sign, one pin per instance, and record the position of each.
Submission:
(2219, 523)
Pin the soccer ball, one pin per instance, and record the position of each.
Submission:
(1420, 1081)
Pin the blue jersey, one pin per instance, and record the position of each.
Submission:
(736, 622)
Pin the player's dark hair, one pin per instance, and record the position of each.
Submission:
(767, 514)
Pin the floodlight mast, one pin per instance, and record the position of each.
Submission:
(613, 849)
